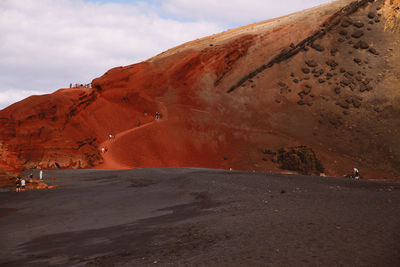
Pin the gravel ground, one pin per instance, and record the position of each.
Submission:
(200, 217)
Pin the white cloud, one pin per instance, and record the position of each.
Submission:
(46, 44)
(236, 12)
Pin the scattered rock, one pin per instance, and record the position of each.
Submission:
(295, 81)
(371, 15)
(301, 102)
(320, 80)
(343, 104)
(346, 22)
(332, 63)
(356, 103)
(345, 82)
(311, 63)
(342, 70)
(370, 22)
(364, 87)
(292, 46)
(373, 51)
(337, 90)
(358, 24)
(306, 70)
(292, 74)
(357, 34)
(340, 40)
(357, 60)
(361, 45)
(281, 84)
(317, 47)
(343, 32)
(377, 20)
(334, 51)
(278, 101)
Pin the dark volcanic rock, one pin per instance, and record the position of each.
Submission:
(358, 24)
(356, 103)
(357, 34)
(346, 22)
(332, 63)
(320, 80)
(364, 87)
(311, 63)
(343, 32)
(371, 15)
(337, 90)
(361, 45)
(305, 70)
(343, 104)
(373, 51)
(357, 60)
(334, 51)
(301, 159)
(345, 82)
(318, 47)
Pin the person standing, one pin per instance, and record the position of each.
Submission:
(41, 175)
(31, 176)
(356, 174)
(18, 184)
(23, 184)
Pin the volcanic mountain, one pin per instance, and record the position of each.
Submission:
(312, 92)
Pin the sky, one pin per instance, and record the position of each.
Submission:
(47, 44)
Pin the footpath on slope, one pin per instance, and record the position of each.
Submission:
(109, 157)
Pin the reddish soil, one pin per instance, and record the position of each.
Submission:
(325, 79)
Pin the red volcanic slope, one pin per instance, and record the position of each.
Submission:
(318, 87)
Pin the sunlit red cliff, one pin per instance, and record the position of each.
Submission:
(312, 92)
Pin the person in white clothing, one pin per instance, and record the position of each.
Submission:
(41, 175)
(356, 174)
(23, 184)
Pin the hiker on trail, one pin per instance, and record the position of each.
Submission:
(106, 149)
(31, 176)
(18, 184)
(23, 184)
(102, 150)
(157, 116)
(356, 174)
(110, 136)
(41, 175)
(115, 135)
(138, 124)
(70, 85)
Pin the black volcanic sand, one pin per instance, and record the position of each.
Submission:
(173, 216)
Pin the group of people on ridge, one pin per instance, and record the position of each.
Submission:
(80, 85)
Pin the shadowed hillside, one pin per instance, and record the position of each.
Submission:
(312, 92)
